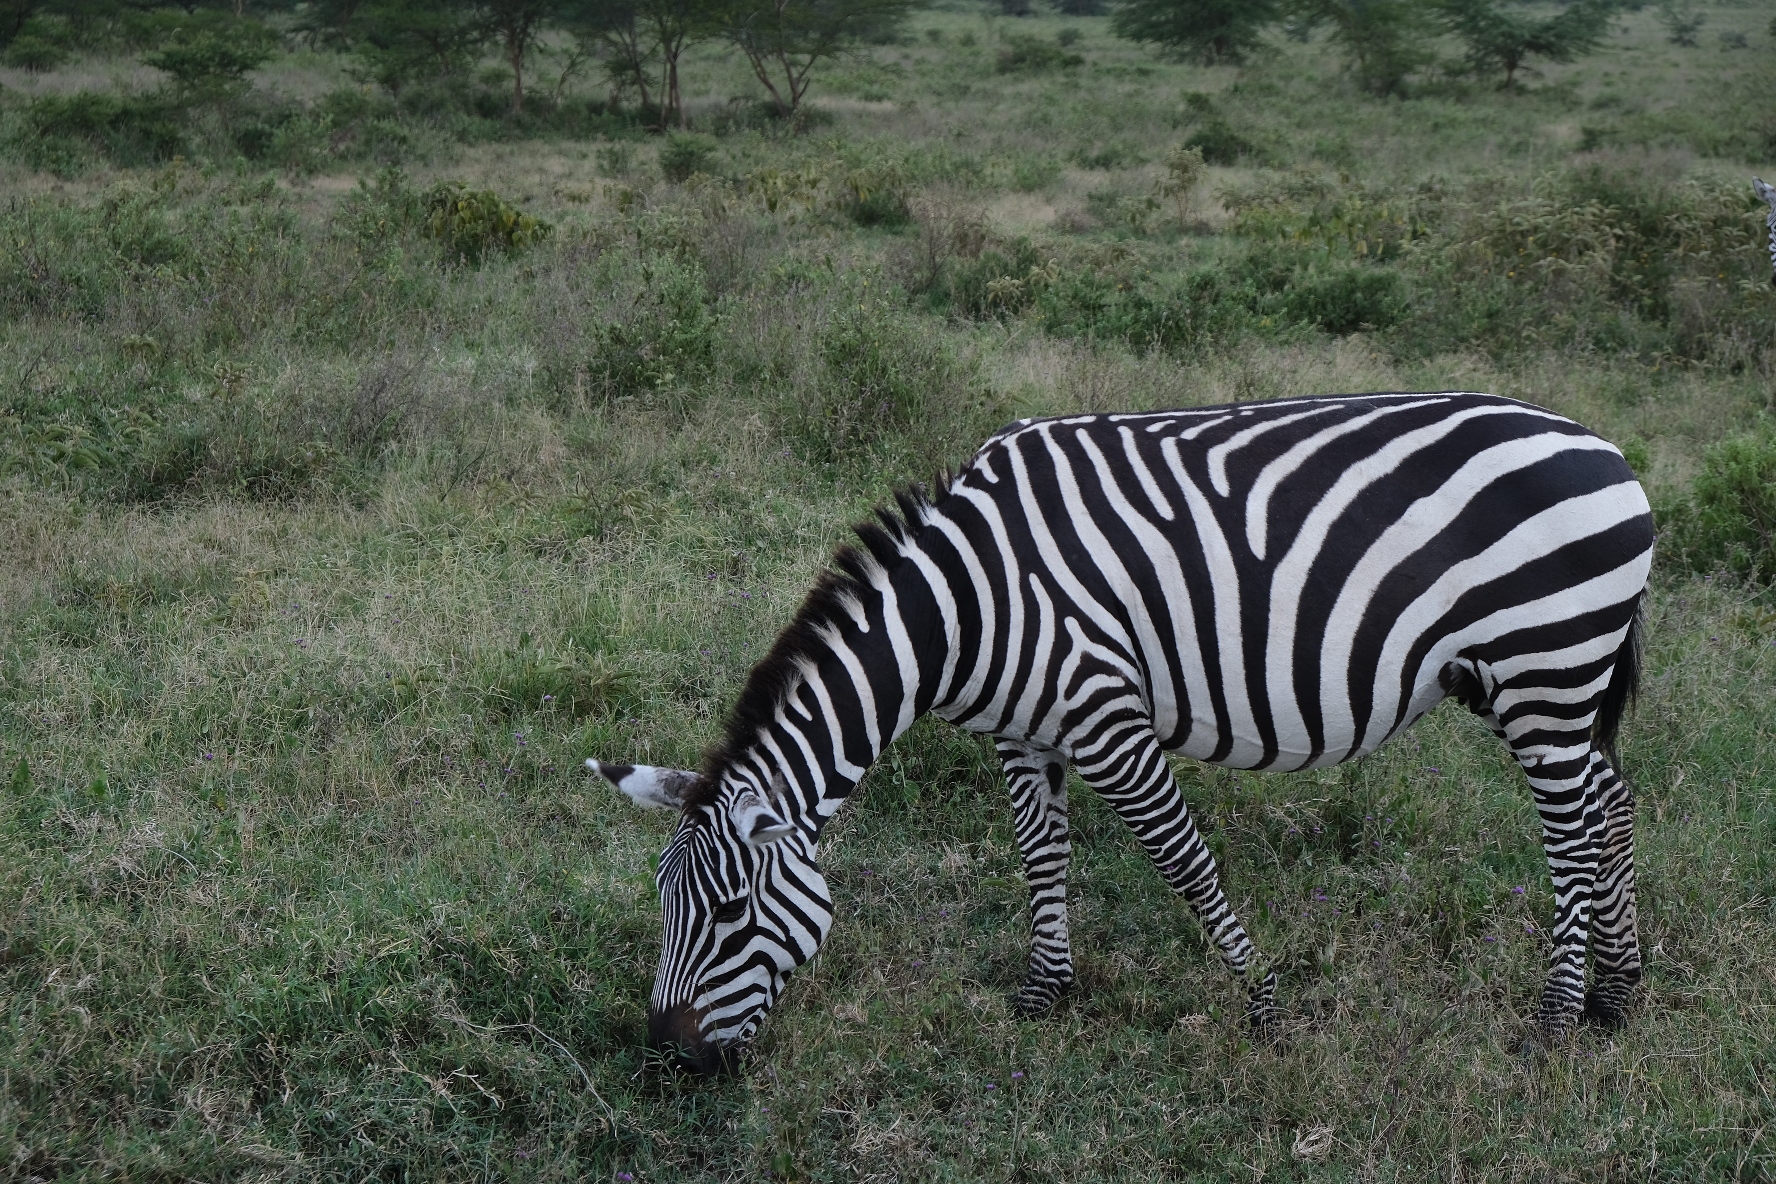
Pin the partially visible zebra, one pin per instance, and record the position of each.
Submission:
(1768, 193)
(1275, 586)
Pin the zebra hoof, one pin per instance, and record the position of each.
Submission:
(1554, 1026)
(1038, 996)
(1266, 1025)
(1608, 1001)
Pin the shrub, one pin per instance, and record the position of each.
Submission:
(877, 375)
(60, 132)
(1109, 155)
(661, 329)
(209, 56)
(1179, 316)
(472, 222)
(1346, 300)
(1220, 144)
(1033, 55)
(968, 285)
(685, 154)
(33, 53)
(1729, 520)
(380, 210)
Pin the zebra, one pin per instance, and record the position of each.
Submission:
(1767, 192)
(1271, 586)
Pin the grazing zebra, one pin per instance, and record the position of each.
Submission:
(1768, 193)
(1273, 586)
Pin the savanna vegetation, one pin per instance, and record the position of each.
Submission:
(393, 414)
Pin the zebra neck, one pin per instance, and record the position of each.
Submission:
(862, 661)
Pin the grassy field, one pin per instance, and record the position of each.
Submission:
(329, 554)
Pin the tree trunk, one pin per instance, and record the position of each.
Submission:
(763, 72)
(515, 55)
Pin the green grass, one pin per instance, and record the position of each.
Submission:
(329, 557)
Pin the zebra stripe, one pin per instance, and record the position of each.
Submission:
(1274, 586)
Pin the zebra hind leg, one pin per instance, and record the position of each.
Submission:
(1562, 769)
(1615, 942)
(1037, 779)
(1133, 776)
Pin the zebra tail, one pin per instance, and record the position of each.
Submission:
(1624, 685)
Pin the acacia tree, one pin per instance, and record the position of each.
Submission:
(1386, 40)
(612, 30)
(783, 39)
(1208, 30)
(1503, 37)
(671, 27)
(401, 40)
(516, 25)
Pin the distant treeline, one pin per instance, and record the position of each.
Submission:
(1386, 41)
(636, 44)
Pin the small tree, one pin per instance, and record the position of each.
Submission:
(1207, 30)
(671, 27)
(1386, 40)
(1682, 24)
(612, 31)
(209, 54)
(1184, 172)
(516, 25)
(1501, 36)
(403, 40)
(783, 39)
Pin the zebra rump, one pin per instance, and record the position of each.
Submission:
(1273, 586)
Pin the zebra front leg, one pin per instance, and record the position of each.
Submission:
(1561, 777)
(1615, 940)
(1037, 779)
(1130, 771)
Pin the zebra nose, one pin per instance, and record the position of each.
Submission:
(675, 1031)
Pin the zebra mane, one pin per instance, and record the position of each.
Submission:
(829, 605)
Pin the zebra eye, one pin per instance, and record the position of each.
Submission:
(729, 911)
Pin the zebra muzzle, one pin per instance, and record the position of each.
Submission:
(676, 1033)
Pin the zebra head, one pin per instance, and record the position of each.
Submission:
(743, 904)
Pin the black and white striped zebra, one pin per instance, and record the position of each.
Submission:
(1275, 586)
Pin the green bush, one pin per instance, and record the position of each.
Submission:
(1178, 315)
(660, 333)
(1729, 519)
(1033, 55)
(379, 210)
(1220, 143)
(211, 53)
(31, 52)
(1346, 299)
(473, 222)
(877, 375)
(61, 133)
(686, 154)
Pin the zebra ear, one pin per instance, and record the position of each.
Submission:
(665, 789)
(758, 823)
